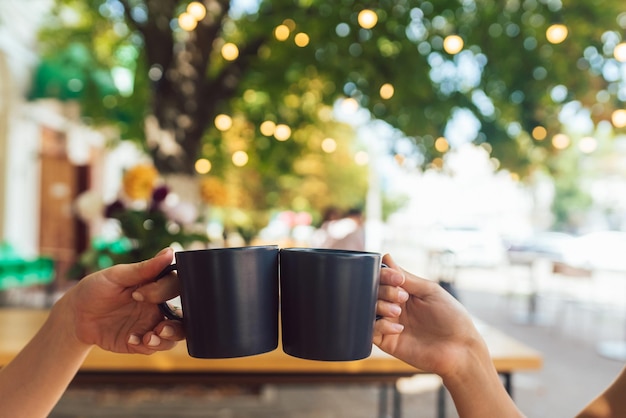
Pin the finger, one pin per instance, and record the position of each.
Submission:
(156, 292)
(385, 327)
(391, 276)
(170, 330)
(129, 275)
(387, 309)
(393, 294)
(153, 342)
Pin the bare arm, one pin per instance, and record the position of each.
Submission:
(112, 309)
(433, 332)
(609, 404)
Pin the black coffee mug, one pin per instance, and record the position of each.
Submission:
(229, 300)
(328, 302)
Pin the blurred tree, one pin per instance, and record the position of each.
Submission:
(275, 69)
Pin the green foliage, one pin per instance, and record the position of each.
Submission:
(505, 76)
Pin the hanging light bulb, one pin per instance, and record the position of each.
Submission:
(453, 44)
(556, 33)
(367, 18)
(620, 52)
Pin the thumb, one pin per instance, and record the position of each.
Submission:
(128, 275)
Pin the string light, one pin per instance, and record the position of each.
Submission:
(302, 39)
(197, 10)
(203, 166)
(539, 133)
(560, 141)
(282, 132)
(223, 122)
(441, 144)
(587, 144)
(281, 32)
(386, 91)
(329, 145)
(367, 18)
(267, 128)
(187, 22)
(618, 118)
(453, 44)
(230, 52)
(620, 52)
(240, 158)
(556, 33)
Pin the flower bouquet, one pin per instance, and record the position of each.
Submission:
(149, 217)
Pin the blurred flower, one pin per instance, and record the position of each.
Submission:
(139, 181)
(148, 217)
(88, 205)
(213, 191)
(183, 212)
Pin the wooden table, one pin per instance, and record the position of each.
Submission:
(17, 326)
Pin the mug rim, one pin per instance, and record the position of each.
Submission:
(336, 251)
(220, 249)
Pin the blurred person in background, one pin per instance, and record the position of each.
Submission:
(341, 232)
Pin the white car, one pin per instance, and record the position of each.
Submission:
(601, 250)
(468, 246)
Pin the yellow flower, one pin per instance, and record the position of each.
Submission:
(139, 181)
(213, 191)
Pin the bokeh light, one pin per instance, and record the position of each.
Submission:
(539, 133)
(302, 39)
(441, 144)
(329, 145)
(197, 10)
(203, 166)
(267, 128)
(560, 141)
(367, 19)
(281, 32)
(620, 52)
(453, 44)
(187, 22)
(223, 122)
(618, 118)
(230, 52)
(362, 158)
(386, 91)
(282, 132)
(556, 33)
(587, 144)
(240, 158)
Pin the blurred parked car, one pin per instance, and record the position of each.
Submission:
(467, 246)
(550, 245)
(601, 250)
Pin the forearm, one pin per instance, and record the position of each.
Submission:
(610, 403)
(33, 382)
(477, 390)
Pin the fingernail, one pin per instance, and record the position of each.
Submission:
(167, 331)
(397, 327)
(395, 310)
(138, 296)
(403, 296)
(154, 341)
(163, 251)
(133, 340)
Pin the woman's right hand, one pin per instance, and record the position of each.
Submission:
(422, 324)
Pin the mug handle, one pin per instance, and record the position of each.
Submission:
(164, 307)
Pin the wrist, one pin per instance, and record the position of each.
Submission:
(62, 321)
